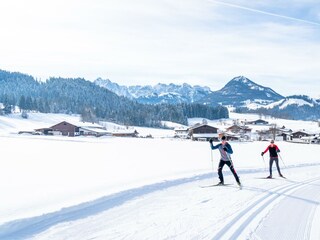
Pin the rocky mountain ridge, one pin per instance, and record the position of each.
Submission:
(240, 93)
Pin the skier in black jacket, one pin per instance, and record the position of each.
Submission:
(225, 151)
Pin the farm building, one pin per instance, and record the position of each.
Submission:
(203, 132)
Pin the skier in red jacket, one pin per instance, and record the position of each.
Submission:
(273, 150)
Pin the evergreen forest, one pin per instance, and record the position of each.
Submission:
(93, 103)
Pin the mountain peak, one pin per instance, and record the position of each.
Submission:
(242, 84)
(241, 89)
(245, 82)
(242, 79)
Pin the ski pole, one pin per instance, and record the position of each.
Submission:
(212, 164)
(265, 168)
(282, 160)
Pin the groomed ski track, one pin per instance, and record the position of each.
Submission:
(297, 214)
(271, 206)
(263, 209)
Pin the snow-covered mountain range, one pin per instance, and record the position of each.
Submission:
(160, 93)
(240, 93)
(299, 101)
(292, 107)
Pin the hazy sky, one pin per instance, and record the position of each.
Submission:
(200, 42)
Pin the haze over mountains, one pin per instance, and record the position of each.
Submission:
(160, 93)
(240, 93)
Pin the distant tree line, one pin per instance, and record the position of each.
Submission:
(93, 103)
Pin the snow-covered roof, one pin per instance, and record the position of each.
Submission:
(85, 124)
(304, 131)
(201, 125)
(124, 131)
(94, 129)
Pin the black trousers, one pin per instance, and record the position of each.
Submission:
(274, 159)
(230, 165)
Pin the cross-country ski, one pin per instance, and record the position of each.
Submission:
(216, 185)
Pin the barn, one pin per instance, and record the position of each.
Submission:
(203, 132)
(75, 129)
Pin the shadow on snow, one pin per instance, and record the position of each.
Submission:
(24, 228)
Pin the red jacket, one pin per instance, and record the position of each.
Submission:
(273, 150)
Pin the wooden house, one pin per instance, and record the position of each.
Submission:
(300, 134)
(66, 129)
(203, 132)
(75, 129)
(239, 129)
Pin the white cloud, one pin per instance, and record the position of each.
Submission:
(146, 42)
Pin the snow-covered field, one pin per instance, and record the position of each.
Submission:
(141, 188)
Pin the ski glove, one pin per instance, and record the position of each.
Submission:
(262, 154)
(225, 149)
(210, 140)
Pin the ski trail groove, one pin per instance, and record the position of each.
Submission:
(23, 228)
(298, 211)
(238, 224)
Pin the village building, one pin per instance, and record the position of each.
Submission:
(265, 134)
(311, 139)
(258, 122)
(300, 134)
(203, 132)
(125, 133)
(75, 129)
(239, 132)
(286, 136)
(181, 132)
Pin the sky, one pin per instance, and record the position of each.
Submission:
(200, 42)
